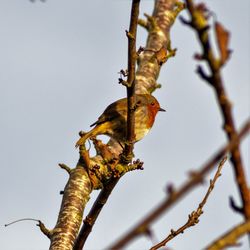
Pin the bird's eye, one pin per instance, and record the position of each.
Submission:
(138, 103)
(152, 103)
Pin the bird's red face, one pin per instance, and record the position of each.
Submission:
(153, 107)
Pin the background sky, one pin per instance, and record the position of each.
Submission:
(58, 71)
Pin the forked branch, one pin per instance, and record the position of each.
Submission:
(199, 22)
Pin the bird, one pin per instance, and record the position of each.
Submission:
(113, 121)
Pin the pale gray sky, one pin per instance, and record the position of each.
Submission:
(58, 71)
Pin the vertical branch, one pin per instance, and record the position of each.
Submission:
(128, 151)
(131, 34)
(199, 24)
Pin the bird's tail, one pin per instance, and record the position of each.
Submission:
(83, 138)
(93, 132)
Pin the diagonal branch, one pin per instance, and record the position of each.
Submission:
(231, 237)
(158, 26)
(199, 24)
(89, 221)
(75, 198)
(193, 218)
(196, 179)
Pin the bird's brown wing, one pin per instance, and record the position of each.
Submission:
(113, 111)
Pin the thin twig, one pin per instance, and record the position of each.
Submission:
(193, 218)
(131, 34)
(65, 167)
(199, 24)
(128, 151)
(42, 227)
(24, 219)
(231, 237)
(176, 195)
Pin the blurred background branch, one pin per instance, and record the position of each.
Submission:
(199, 15)
(196, 178)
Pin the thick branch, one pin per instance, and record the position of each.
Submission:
(76, 195)
(159, 25)
(199, 24)
(196, 179)
(89, 221)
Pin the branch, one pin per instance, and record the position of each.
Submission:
(199, 22)
(158, 26)
(231, 237)
(127, 155)
(131, 34)
(75, 197)
(176, 195)
(193, 218)
(89, 221)
(96, 172)
(165, 14)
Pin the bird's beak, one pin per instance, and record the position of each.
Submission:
(161, 109)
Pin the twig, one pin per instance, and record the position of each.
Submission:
(176, 195)
(42, 227)
(193, 218)
(127, 155)
(234, 206)
(24, 219)
(65, 167)
(199, 24)
(231, 237)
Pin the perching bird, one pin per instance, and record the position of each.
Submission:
(113, 121)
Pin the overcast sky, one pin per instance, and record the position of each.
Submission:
(58, 71)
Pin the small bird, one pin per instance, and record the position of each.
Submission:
(113, 121)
